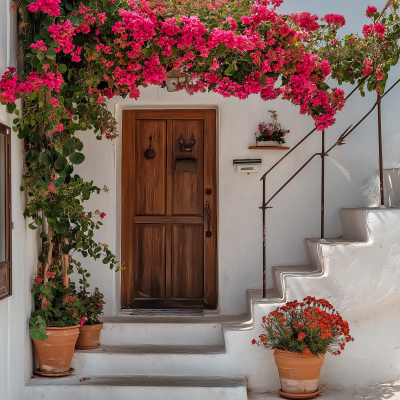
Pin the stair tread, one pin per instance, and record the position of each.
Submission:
(141, 380)
(155, 349)
(123, 317)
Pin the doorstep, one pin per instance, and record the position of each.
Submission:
(389, 391)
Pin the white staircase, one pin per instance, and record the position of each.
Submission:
(211, 357)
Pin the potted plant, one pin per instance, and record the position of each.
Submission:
(54, 324)
(271, 134)
(91, 309)
(301, 334)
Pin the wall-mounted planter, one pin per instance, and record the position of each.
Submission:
(268, 148)
(268, 144)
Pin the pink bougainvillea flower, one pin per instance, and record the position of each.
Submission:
(102, 215)
(367, 69)
(49, 7)
(59, 127)
(367, 29)
(335, 19)
(379, 74)
(51, 187)
(54, 102)
(100, 305)
(82, 321)
(380, 30)
(39, 45)
(76, 54)
(53, 178)
(371, 10)
(83, 379)
(100, 99)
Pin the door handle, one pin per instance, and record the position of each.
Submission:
(208, 232)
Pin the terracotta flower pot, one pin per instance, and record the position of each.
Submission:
(55, 353)
(89, 337)
(298, 373)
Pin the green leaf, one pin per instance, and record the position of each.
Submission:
(60, 163)
(79, 145)
(35, 62)
(35, 137)
(57, 313)
(229, 70)
(77, 158)
(24, 3)
(45, 159)
(47, 22)
(38, 221)
(45, 33)
(70, 143)
(51, 53)
(11, 107)
(106, 260)
(41, 54)
(62, 68)
(60, 227)
(23, 133)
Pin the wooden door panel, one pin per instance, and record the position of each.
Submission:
(150, 260)
(169, 261)
(150, 173)
(187, 261)
(188, 186)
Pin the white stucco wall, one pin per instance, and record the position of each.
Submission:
(16, 356)
(351, 174)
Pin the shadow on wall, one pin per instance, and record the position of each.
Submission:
(391, 187)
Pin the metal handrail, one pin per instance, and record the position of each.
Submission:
(305, 137)
(324, 154)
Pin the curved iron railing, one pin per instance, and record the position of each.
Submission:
(324, 154)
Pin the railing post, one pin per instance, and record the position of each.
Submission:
(323, 185)
(264, 256)
(380, 152)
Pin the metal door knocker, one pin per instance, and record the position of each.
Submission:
(187, 164)
(150, 153)
(187, 147)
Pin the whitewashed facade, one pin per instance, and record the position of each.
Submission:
(351, 181)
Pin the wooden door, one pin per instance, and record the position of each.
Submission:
(168, 214)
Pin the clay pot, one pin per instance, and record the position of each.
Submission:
(55, 353)
(89, 337)
(298, 373)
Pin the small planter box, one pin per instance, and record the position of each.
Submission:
(268, 144)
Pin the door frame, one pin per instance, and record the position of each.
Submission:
(209, 116)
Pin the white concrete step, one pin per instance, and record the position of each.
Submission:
(137, 387)
(154, 360)
(132, 330)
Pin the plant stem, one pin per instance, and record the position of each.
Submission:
(48, 262)
(65, 265)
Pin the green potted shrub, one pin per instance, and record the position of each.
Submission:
(54, 324)
(91, 307)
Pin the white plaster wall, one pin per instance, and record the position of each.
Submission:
(16, 357)
(351, 174)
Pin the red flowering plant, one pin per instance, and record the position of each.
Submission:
(55, 303)
(309, 327)
(91, 304)
(271, 132)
